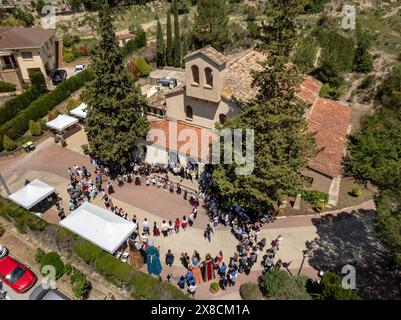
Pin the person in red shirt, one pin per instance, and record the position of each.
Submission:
(177, 225)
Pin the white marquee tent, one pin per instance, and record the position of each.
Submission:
(32, 194)
(62, 122)
(99, 226)
(80, 111)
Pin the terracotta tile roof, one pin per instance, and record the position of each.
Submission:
(238, 79)
(158, 100)
(20, 38)
(330, 120)
(211, 53)
(123, 36)
(309, 90)
(191, 140)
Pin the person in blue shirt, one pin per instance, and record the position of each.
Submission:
(181, 282)
(222, 269)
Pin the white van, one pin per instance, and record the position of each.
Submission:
(79, 68)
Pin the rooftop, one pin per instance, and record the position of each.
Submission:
(210, 52)
(330, 120)
(21, 38)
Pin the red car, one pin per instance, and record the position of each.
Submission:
(16, 275)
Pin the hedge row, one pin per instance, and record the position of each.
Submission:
(11, 107)
(17, 126)
(140, 285)
(7, 87)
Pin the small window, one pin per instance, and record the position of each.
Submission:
(209, 76)
(222, 118)
(189, 112)
(195, 74)
(26, 55)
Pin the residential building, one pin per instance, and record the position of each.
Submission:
(123, 38)
(23, 50)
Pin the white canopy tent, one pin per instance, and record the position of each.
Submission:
(80, 111)
(62, 122)
(99, 226)
(32, 194)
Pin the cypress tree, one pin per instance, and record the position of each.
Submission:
(177, 39)
(115, 118)
(282, 145)
(169, 46)
(161, 49)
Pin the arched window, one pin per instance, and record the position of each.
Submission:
(222, 118)
(195, 74)
(209, 76)
(189, 113)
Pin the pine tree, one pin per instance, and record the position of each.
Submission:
(211, 23)
(115, 121)
(177, 39)
(161, 49)
(169, 46)
(282, 145)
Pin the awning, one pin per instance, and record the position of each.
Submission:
(62, 122)
(155, 155)
(33, 193)
(80, 111)
(99, 226)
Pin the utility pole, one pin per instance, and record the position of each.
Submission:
(3, 182)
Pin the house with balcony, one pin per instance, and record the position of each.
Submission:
(23, 50)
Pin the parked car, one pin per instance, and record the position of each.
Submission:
(42, 293)
(59, 76)
(79, 68)
(16, 275)
(3, 251)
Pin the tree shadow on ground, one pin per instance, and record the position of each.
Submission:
(349, 238)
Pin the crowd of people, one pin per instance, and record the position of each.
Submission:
(85, 187)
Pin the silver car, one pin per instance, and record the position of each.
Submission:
(3, 251)
(41, 293)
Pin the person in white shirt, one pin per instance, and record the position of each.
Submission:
(165, 228)
(192, 289)
(145, 226)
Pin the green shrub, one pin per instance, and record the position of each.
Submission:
(254, 30)
(250, 291)
(39, 256)
(79, 283)
(280, 285)
(273, 281)
(356, 192)
(87, 251)
(2, 230)
(9, 144)
(326, 91)
(134, 44)
(331, 288)
(142, 66)
(315, 197)
(53, 259)
(68, 269)
(22, 219)
(214, 286)
(38, 81)
(35, 128)
(7, 87)
(306, 54)
(11, 107)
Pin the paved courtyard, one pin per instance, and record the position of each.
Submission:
(49, 162)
